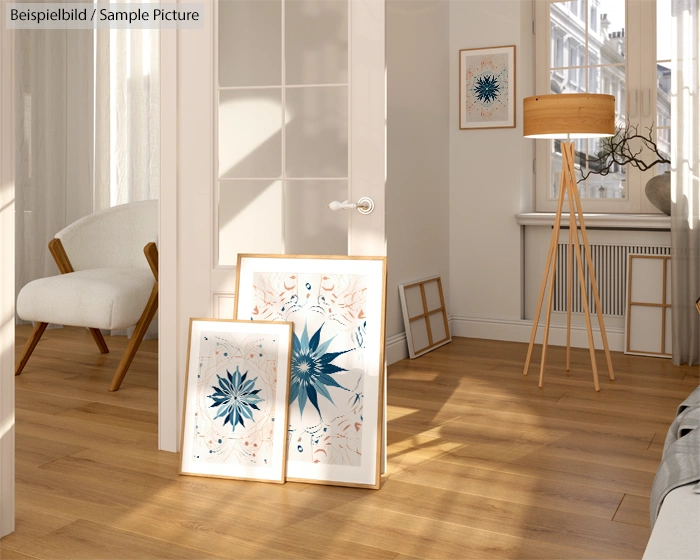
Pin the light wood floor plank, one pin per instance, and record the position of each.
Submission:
(427, 538)
(597, 537)
(33, 524)
(516, 488)
(86, 540)
(482, 464)
(633, 510)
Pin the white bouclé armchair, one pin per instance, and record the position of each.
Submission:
(106, 282)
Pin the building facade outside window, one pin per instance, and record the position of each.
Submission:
(618, 47)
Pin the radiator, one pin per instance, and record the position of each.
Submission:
(610, 264)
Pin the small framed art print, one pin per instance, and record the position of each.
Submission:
(487, 88)
(236, 392)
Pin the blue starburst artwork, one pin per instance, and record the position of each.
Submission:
(312, 368)
(235, 398)
(486, 89)
(486, 97)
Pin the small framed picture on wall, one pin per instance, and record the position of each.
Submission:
(487, 88)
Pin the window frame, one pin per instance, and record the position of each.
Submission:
(639, 104)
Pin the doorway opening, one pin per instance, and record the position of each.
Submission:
(86, 145)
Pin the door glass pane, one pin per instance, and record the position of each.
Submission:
(310, 228)
(587, 51)
(282, 127)
(316, 36)
(250, 219)
(250, 133)
(250, 43)
(317, 132)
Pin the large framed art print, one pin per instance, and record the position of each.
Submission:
(236, 392)
(487, 88)
(337, 307)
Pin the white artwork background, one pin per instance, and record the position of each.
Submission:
(213, 446)
(343, 298)
(330, 308)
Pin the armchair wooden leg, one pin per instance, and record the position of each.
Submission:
(136, 338)
(99, 340)
(39, 329)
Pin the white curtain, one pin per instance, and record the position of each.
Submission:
(54, 142)
(685, 182)
(127, 118)
(127, 122)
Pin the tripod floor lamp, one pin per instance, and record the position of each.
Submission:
(573, 115)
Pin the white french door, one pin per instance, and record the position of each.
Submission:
(281, 110)
(295, 128)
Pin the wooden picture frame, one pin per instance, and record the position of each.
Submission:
(337, 305)
(424, 315)
(236, 392)
(487, 95)
(648, 317)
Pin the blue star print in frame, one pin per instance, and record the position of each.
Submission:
(487, 88)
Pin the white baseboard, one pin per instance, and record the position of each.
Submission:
(512, 331)
(520, 331)
(396, 348)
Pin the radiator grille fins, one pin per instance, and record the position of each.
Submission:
(610, 263)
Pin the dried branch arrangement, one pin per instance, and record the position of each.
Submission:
(618, 150)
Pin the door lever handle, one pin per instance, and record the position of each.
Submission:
(364, 205)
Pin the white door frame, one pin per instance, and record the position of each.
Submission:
(198, 281)
(169, 389)
(7, 280)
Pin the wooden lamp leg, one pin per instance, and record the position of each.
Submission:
(569, 282)
(550, 295)
(594, 284)
(568, 159)
(549, 266)
(568, 189)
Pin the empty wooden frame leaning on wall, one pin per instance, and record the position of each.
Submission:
(425, 315)
(648, 321)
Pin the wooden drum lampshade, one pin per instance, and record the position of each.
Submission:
(573, 115)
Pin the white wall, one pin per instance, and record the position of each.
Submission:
(490, 174)
(417, 193)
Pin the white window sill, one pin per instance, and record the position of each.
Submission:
(606, 221)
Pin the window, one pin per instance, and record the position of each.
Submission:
(594, 17)
(599, 46)
(557, 49)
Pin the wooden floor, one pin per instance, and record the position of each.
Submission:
(482, 464)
